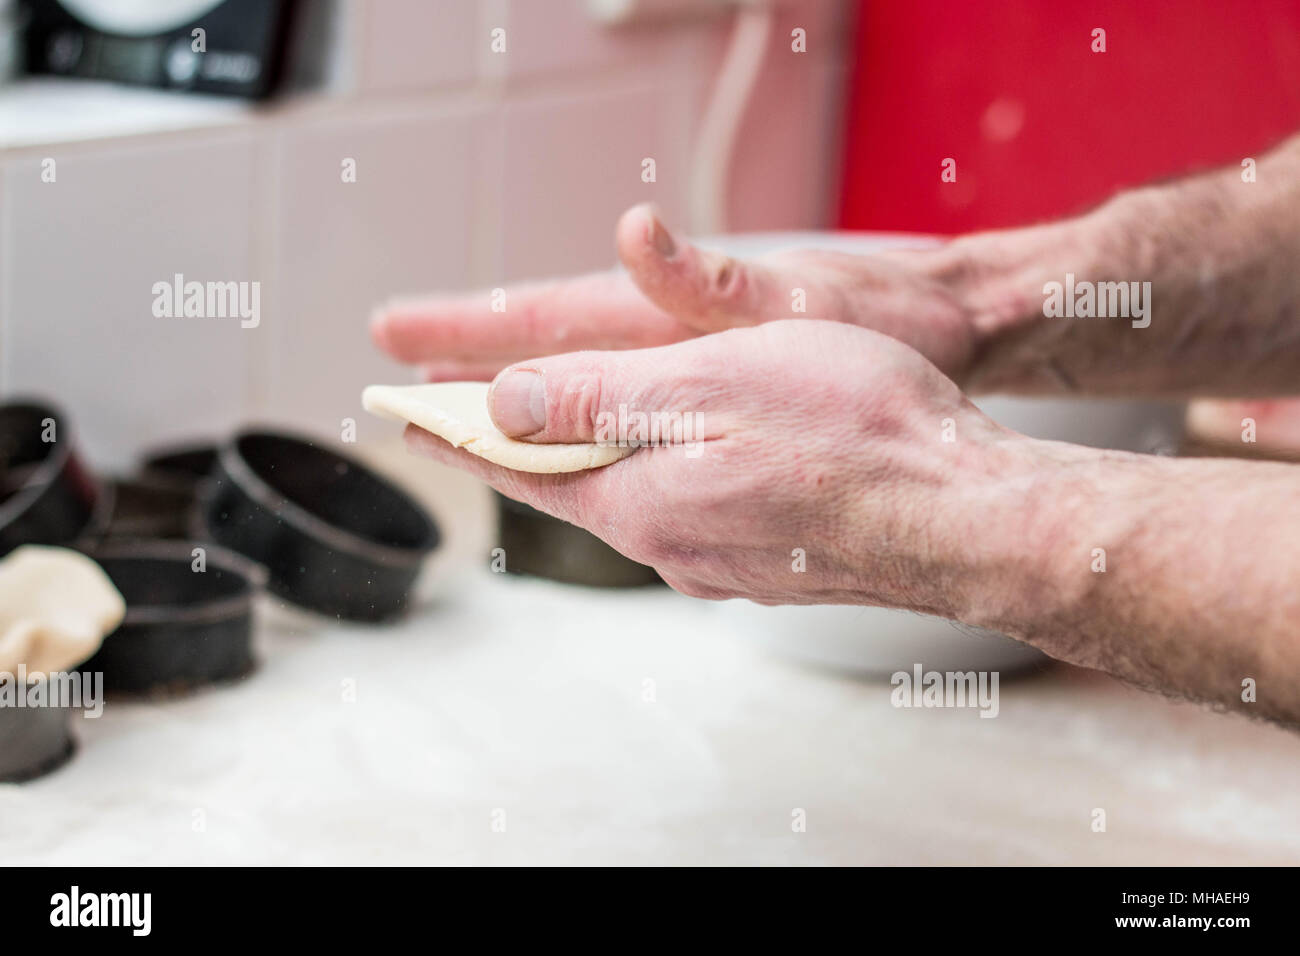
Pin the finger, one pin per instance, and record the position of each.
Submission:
(706, 290)
(602, 310)
(589, 396)
(464, 370)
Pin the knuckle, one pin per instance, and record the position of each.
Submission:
(644, 544)
(669, 555)
(728, 279)
(695, 589)
(577, 405)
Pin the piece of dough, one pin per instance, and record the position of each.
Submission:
(458, 412)
(56, 606)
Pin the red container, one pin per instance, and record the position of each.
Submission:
(1041, 126)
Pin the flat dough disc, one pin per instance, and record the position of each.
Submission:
(458, 412)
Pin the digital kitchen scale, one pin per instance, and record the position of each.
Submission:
(152, 42)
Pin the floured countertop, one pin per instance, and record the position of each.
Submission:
(635, 727)
(528, 703)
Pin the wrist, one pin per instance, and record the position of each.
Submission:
(1000, 277)
(1021, 526)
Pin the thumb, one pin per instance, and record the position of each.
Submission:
(563, 398)
(706, 290)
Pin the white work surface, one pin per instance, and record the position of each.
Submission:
(528, 697)
(502, 693)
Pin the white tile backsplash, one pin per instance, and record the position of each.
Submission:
(406, 225)
(473, 170)
(83, 255)
(573, 164)
(417, 44)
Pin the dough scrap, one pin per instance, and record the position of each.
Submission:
(458, 412)
(56, 606)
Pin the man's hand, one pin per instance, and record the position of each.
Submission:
(851, 450)
(673, 291)
(817, 437)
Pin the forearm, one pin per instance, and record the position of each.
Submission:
(1177, 574)
(1222, 257)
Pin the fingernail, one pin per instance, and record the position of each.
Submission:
(519, 402)
(661, 238)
